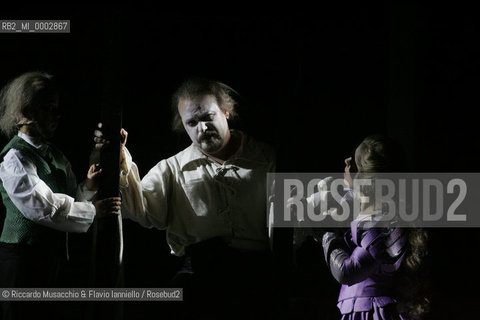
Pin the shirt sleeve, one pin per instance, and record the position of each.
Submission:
(347, 267)
(79, 190)
(145, 200)
(37, 202)
(83, 194)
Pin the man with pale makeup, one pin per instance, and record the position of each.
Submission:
(211, 199)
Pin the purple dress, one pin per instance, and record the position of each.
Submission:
(366, 262)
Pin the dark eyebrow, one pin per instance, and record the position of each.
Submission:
(200, 115)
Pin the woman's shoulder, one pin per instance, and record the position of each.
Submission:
(384, 240)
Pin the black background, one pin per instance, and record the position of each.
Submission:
(313, 85)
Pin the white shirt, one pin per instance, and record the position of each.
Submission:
(37, 202)
(196, 198)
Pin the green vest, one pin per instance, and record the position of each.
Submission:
(52, 169)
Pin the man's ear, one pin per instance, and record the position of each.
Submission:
(227, 114)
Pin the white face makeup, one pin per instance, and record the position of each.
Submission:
(206, 124)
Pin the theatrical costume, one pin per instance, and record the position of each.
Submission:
(366, 262)
(37, 185)
(214, 214)
(195, 198)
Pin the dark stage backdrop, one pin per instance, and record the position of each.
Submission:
(312, 85)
